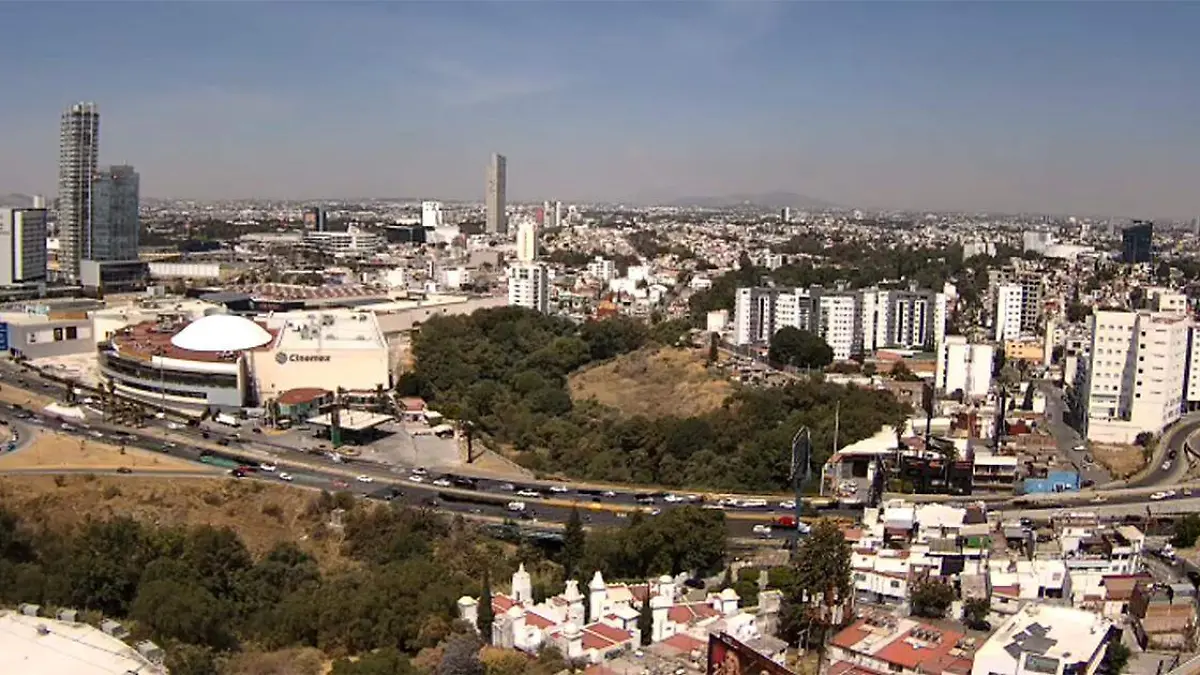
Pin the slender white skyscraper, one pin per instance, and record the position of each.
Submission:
(497, 221)
(558, 214)
(78, 150)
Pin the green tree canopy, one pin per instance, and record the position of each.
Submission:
(800, 348)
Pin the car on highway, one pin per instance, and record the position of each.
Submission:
(1186, 492)
(269, 468)
(530, 494)
(655, 512)
(752, 503)
(96, 433)
(516, 506)
(559, 489)
(285, 476)
(1166, 466)
(673, 498)
(1079, 448)
(608, 493)
(341, 484)
(419, 471)
(1099, 499)
(507, 487)
(416, 479)
(1158, 496)
(442, 482)
(762, 530)
(365, 479)
(124, 469)
(788, 504)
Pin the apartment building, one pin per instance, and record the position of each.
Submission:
(850, 321)
(529, 286)
(1016, 303)
(1136, 376)
(965, 367)
(22, 246)
(602, 268)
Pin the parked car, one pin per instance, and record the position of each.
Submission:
(365, 479)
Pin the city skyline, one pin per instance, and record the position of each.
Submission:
(1056, 108)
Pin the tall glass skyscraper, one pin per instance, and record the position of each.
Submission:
(114, 227)
(78, 150)
(497, 221)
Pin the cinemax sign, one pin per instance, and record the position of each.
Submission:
(282, 358)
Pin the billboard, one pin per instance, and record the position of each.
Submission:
(727, 656)
(3, 337)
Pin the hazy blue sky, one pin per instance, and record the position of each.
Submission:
(1085, 107)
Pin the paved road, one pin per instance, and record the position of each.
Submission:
(1176, 467)
(1067, 438)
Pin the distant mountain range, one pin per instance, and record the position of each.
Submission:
(767, 200)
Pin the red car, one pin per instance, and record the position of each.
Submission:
(340, 484)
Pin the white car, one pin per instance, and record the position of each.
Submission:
(531, 494)
(1099, 499)
(1158, 496)
(174, 426)
(764, 530)
(419, 471)
(442, 482)
(788, 504)
(753, 503)
(365, 479)
(1079, 448)
(286, 476)
(1166, 466)
(269, 468)
(608, 493)
(672, 499)
(559, 489)
(416, 479)
(516, 506)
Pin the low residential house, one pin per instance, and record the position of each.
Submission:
(1015, 583)
(1106, 594)
(879, 643)
(614, 609)
(1085, 547)
(1045, 640)
(1163, 616)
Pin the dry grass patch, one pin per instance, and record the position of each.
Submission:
(653, 382)
(261, 513)
(303, 661)
(1122, 461)
(57, 451)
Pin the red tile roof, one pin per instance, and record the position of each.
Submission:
(501, 603)
(932, 658)
(609, 632)
(850, 636)
(684, 643)
(537, 620)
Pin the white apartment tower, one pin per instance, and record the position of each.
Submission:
(527, 241)
(431, 215)
(529, 286)
(1010, 299)
(1136, 375)
(558, 214)
(497, 180)
(22, 246)
(78, 152)
(602, 268)
(837, 323)
(965, 367)
(115, 226)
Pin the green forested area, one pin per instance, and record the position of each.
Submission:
(505, 371)
(200, 594)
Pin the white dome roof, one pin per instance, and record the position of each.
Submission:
(221, 333)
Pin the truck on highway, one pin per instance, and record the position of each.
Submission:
(226, 419)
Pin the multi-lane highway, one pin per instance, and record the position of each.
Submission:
(482, 496)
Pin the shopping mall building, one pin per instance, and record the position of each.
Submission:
(228, 362)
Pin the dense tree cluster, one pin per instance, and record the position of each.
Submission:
(800, 348)
(199, 592)
(818, 582)
(505, 370)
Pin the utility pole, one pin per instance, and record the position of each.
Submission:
(801, 472)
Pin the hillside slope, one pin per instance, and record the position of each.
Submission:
(653, 382)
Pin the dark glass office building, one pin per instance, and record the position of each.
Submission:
(1137, 242)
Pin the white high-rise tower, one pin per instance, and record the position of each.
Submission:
(78, 150)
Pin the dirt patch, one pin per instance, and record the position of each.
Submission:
(263, 514)
(304, 661)
(57, 451)
(1122, 461)
(654, 383)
